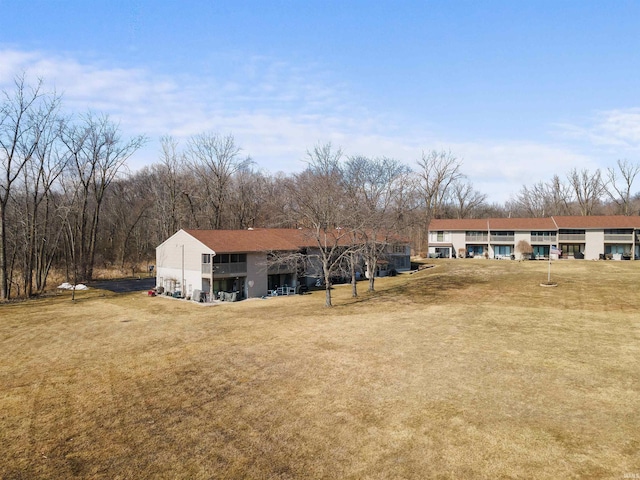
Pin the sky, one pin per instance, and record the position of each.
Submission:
(517, 91)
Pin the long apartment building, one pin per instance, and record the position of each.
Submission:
(589, 237)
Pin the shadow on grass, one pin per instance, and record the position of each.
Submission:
(426, 287)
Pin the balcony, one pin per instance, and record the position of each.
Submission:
(225, 268)
(502, 238)
(571, 237)
(618, 237)
(543, 239)
(481, 237)
(280, 269)
(230, 268)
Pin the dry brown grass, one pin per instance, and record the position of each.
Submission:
(466, 370)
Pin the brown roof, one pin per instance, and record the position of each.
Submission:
(493, 224)
(522, 224)
(544, 224)
(465, 224)
(256, 240)
(598, 221)
(267, 239)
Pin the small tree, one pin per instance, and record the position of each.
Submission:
(524, 248)
(317, 202)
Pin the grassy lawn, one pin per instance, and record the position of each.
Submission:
(469, 369)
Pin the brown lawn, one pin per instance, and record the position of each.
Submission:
(466, 370)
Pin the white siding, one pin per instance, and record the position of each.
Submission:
(169, 261)
(594, 244)
(458, 241)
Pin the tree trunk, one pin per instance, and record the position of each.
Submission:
(92, 242)
(29, 257)
(354, 283)
(4, 283)
(327, 285)
(371, 273)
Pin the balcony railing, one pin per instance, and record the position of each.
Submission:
(618, 237)
(543, 238)
(229, 268)
(206, 268)
(477, 238)
(571, 237)
(502, 238)
(279, 269)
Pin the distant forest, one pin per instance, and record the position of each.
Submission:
(69, 203)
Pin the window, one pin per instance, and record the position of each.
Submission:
(230, 258)
(440, 236)
(206, 258)
(398, 249)
(402, 262)
(222, 258)
(502, 250)
(541, 251)
(502, 234)
(613, 249)
(618, 231)
(571, 248)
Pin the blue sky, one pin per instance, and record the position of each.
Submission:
(517, 90)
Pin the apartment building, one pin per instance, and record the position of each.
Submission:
(578, 237)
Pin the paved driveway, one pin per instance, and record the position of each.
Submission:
(126, 285)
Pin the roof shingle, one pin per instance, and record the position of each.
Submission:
(542, 224)
(254, 240)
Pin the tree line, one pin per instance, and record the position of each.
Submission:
(69, 202)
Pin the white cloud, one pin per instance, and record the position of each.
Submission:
(618, 128)
(501, 168)
(277, 111)
(621, 125)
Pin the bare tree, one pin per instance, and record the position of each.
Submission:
(588, 189)
(465, 199)
(524, 248)
(127, 203)
(25, 114)
(438, 171)
(247, 199)
(214, 160)
(317, 196)
(98, 155)
(530, 201)
(39, 179)
(168, 187)
(559, 197)
(619, 184)
(543, 199)
(374, 188)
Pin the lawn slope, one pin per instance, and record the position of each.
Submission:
(469, 369)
